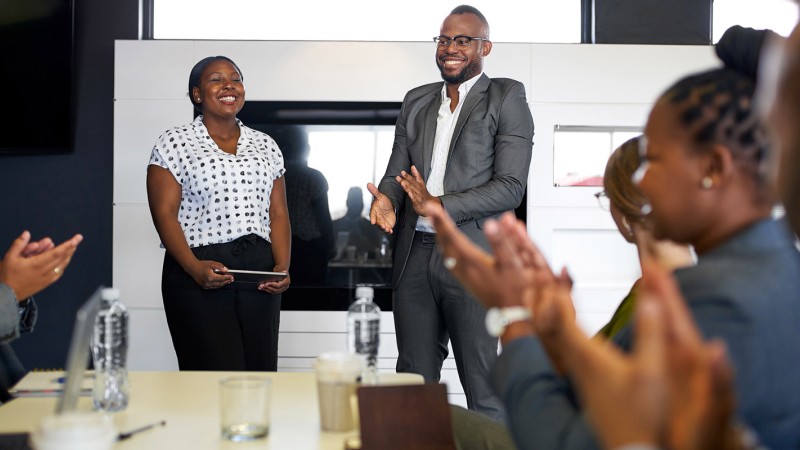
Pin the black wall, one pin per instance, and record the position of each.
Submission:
(685, 22)
(60, 195)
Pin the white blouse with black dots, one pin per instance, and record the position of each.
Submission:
(223, 196)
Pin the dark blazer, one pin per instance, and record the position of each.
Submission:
(487, 165)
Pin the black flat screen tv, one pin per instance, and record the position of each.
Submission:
(36, 41)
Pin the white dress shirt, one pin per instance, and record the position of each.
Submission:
(445, 125)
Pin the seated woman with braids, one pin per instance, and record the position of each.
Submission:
(703, 173)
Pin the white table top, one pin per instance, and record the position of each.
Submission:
(189, 402)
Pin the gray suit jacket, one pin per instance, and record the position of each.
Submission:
(14, 320)
(745, 292)
(487, 166)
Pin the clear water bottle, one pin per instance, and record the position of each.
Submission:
(363, 331)
(110, 354)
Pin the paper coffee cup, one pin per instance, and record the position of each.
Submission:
(337, 379)
(74, 431)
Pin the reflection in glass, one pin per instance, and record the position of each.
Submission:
(327, 170)
(351, 157)
(309, 214)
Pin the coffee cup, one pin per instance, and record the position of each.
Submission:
(74, 431)
(337, 379)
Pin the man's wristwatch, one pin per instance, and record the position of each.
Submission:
(497, 319)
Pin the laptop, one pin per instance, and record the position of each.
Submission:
(78, 354)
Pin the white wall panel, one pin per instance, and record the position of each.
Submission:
(137, 125)
(325, 321)
(507, 61)
(574, 73)
(353, 71)
(595, 256)
(358, 71)
(153, 70)
(138, 257)
(151, 345)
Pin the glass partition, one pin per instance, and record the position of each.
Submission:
(331, 151)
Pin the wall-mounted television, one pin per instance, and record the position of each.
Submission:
(36, 41)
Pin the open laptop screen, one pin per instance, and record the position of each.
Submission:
(78, 354)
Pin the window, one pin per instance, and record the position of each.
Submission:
(580, 153)
(777, 15)
(359, 20)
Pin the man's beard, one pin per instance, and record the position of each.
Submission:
(468, 72)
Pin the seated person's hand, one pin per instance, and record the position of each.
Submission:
(35, 248)
(28, 268)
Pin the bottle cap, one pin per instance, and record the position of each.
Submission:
(110, 294)
(364, 292)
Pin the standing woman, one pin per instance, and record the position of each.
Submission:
(217, 197)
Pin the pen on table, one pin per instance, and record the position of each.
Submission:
(45, 391)
(127, 434)
(62, 380)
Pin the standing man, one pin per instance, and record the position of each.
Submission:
(466, 143)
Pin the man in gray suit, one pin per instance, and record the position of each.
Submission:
(467, 143)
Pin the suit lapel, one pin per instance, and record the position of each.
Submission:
(475, 95)
(431, 116)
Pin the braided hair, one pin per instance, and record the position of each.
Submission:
(716, 106)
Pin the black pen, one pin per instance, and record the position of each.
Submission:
(126, 435)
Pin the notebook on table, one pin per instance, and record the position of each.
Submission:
(405, 417)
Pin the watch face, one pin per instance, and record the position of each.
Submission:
(494, 322)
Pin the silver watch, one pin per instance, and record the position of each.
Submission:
(497, 319)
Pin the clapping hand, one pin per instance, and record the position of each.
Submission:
(29, 267)
(516, 275)
(414, 186)
(673, 391)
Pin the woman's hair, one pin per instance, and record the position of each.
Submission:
(197, 72)
(716, 107)
(617, 182)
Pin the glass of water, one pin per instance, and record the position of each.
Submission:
(245, 407)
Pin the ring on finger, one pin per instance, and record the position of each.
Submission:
(450, 262)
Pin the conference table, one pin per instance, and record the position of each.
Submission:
(189, 403)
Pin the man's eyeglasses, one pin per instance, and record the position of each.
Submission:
(462, 40)
(603, 201)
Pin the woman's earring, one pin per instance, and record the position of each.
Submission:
(707, 183)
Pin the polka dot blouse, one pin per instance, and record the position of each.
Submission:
(223, 196)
